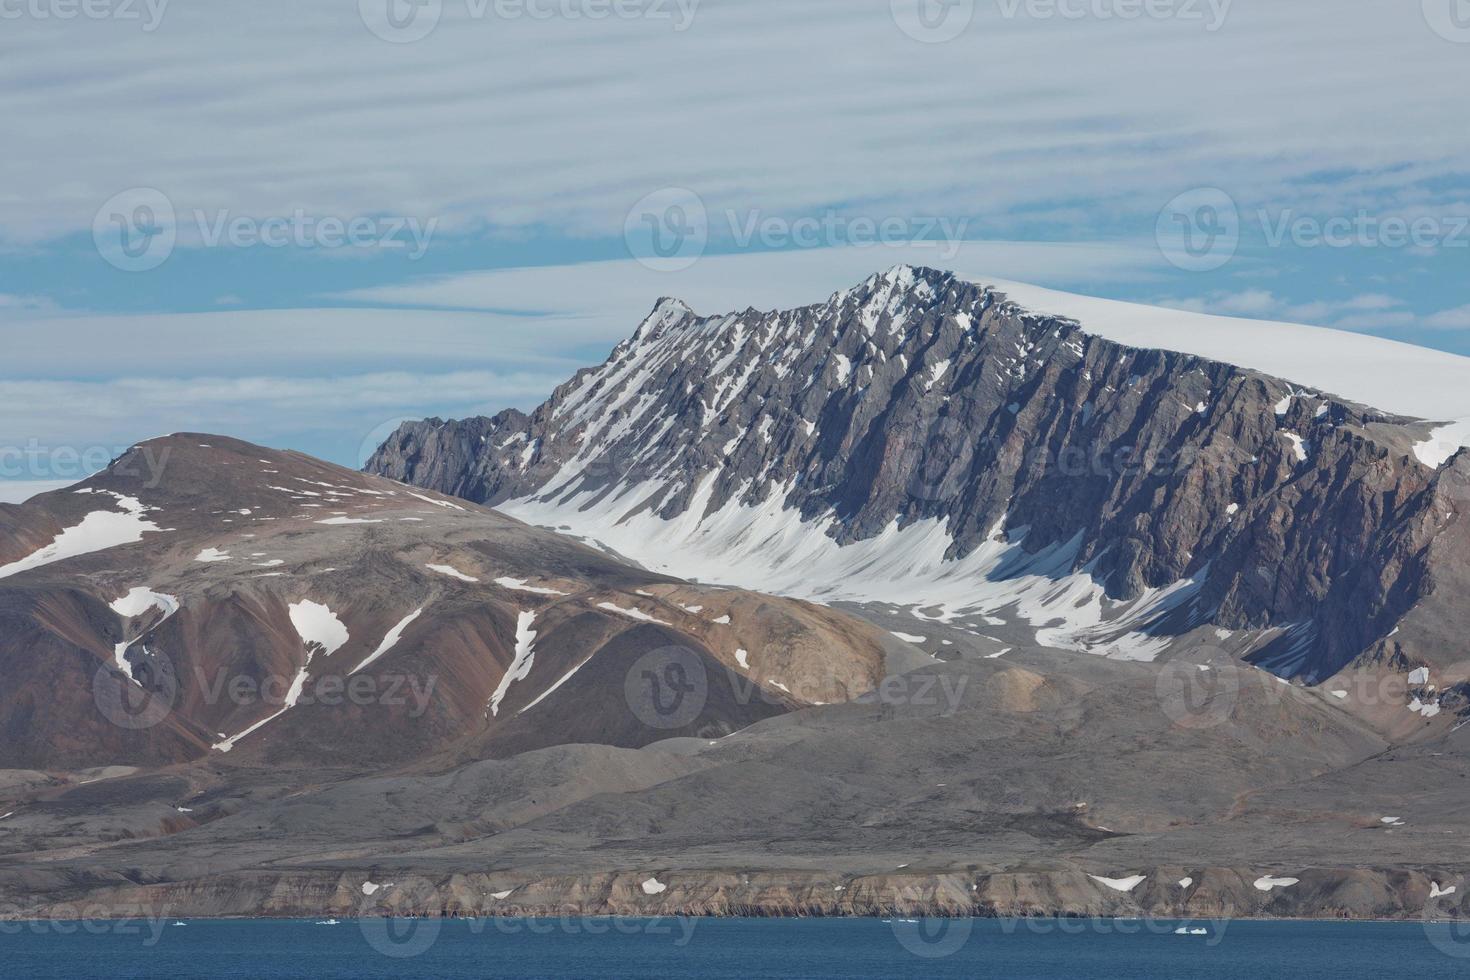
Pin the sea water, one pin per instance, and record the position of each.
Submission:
(738, 949)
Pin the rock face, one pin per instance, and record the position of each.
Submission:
(206, 599)
(920, 432)
(1215, 897)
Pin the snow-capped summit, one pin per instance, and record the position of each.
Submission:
(929, 441)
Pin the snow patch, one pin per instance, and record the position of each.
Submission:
(315, 623)
(1429, 709)
(1389, 375)
(1267, 883)
(525, 657)
(936, 373)
(137, 602)
(521, 585)
(1120, 884)
(437, 503)
(390, 640)
(553, 688)
(1298, 446)
(317, 626)
(770, 547)
(140, 600)
(1443, 443)
(452, 572)
(637, 614)
(98, 531)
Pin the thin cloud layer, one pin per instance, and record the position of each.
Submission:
(564, 122)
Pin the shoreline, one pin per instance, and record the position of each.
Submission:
(1212, 894)
(884, 917)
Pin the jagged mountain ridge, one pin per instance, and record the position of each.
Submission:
(923, 433)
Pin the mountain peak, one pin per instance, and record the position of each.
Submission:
(196, 556)
(924, 439)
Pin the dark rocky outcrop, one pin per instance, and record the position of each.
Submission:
(917, 395)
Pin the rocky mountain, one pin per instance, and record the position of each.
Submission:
(925, 441)
(207, 599)
(1049, 569)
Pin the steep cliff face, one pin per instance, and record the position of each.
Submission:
(923, 440)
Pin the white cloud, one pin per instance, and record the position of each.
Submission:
(291, 342)
(1251, 302)
(11, 303)
(1372, 301)
(1373, 322)
(1365, 312)
(1456, 319)
(615, 291)
(275, 105)
(327, 415)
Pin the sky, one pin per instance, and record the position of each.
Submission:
(301, 222)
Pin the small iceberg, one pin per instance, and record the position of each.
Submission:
(329, 922)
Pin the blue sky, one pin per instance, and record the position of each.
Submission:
(183, 180)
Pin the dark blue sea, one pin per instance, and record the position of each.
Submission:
(738, 949)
